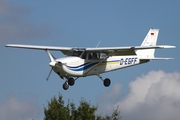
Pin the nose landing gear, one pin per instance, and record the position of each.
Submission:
(65, 86)
(70, 81)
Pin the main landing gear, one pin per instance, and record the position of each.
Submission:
(106, 81)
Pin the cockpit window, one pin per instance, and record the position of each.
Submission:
(78, 53)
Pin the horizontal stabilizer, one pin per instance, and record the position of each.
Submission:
(156, 58)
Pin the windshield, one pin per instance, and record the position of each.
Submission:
(76, 52)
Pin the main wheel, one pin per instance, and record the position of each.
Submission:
(71, 81)
(65, 86)
(107, 82)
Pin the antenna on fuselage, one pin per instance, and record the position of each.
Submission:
(98, 43)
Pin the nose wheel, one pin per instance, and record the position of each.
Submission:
(65, 86)
(69, 82)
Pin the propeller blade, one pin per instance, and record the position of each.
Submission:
(49, 74)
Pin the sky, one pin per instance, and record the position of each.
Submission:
(148, 91)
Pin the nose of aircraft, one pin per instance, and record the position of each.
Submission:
(55, 63)
(52, 64)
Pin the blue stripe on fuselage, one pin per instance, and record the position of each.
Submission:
(82, 67)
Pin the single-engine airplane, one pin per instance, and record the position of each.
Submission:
(82, 62)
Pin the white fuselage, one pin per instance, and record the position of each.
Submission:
(77, 67)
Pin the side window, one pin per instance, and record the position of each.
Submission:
(90, 56)
(103, 55)
(93, 56)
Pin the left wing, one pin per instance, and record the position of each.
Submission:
(64, 50)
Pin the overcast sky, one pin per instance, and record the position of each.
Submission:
(148, 91)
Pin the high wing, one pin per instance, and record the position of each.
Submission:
(64, 50)
(114, 51)
(118, 51)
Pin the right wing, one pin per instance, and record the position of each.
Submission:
(131, 50)
(64, 50)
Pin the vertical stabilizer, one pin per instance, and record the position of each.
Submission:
(150, 40)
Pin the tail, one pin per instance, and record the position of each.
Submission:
(150, 40)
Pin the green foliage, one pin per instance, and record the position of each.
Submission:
(116, 114)
(86, 111)
(56, 110)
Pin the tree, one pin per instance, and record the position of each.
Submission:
(56, 110)
(116, 114)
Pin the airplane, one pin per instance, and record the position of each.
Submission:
(82, 62)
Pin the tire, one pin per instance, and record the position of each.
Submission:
(65, 86)
(71, 81)
(107, 82)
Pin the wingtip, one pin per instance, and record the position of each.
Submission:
(7, 45)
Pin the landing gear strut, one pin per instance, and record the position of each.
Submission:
(106, 81)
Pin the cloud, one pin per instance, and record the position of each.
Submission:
(14, 109)
(154, 95)
(14, 26)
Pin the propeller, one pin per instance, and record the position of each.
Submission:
(49, 74)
